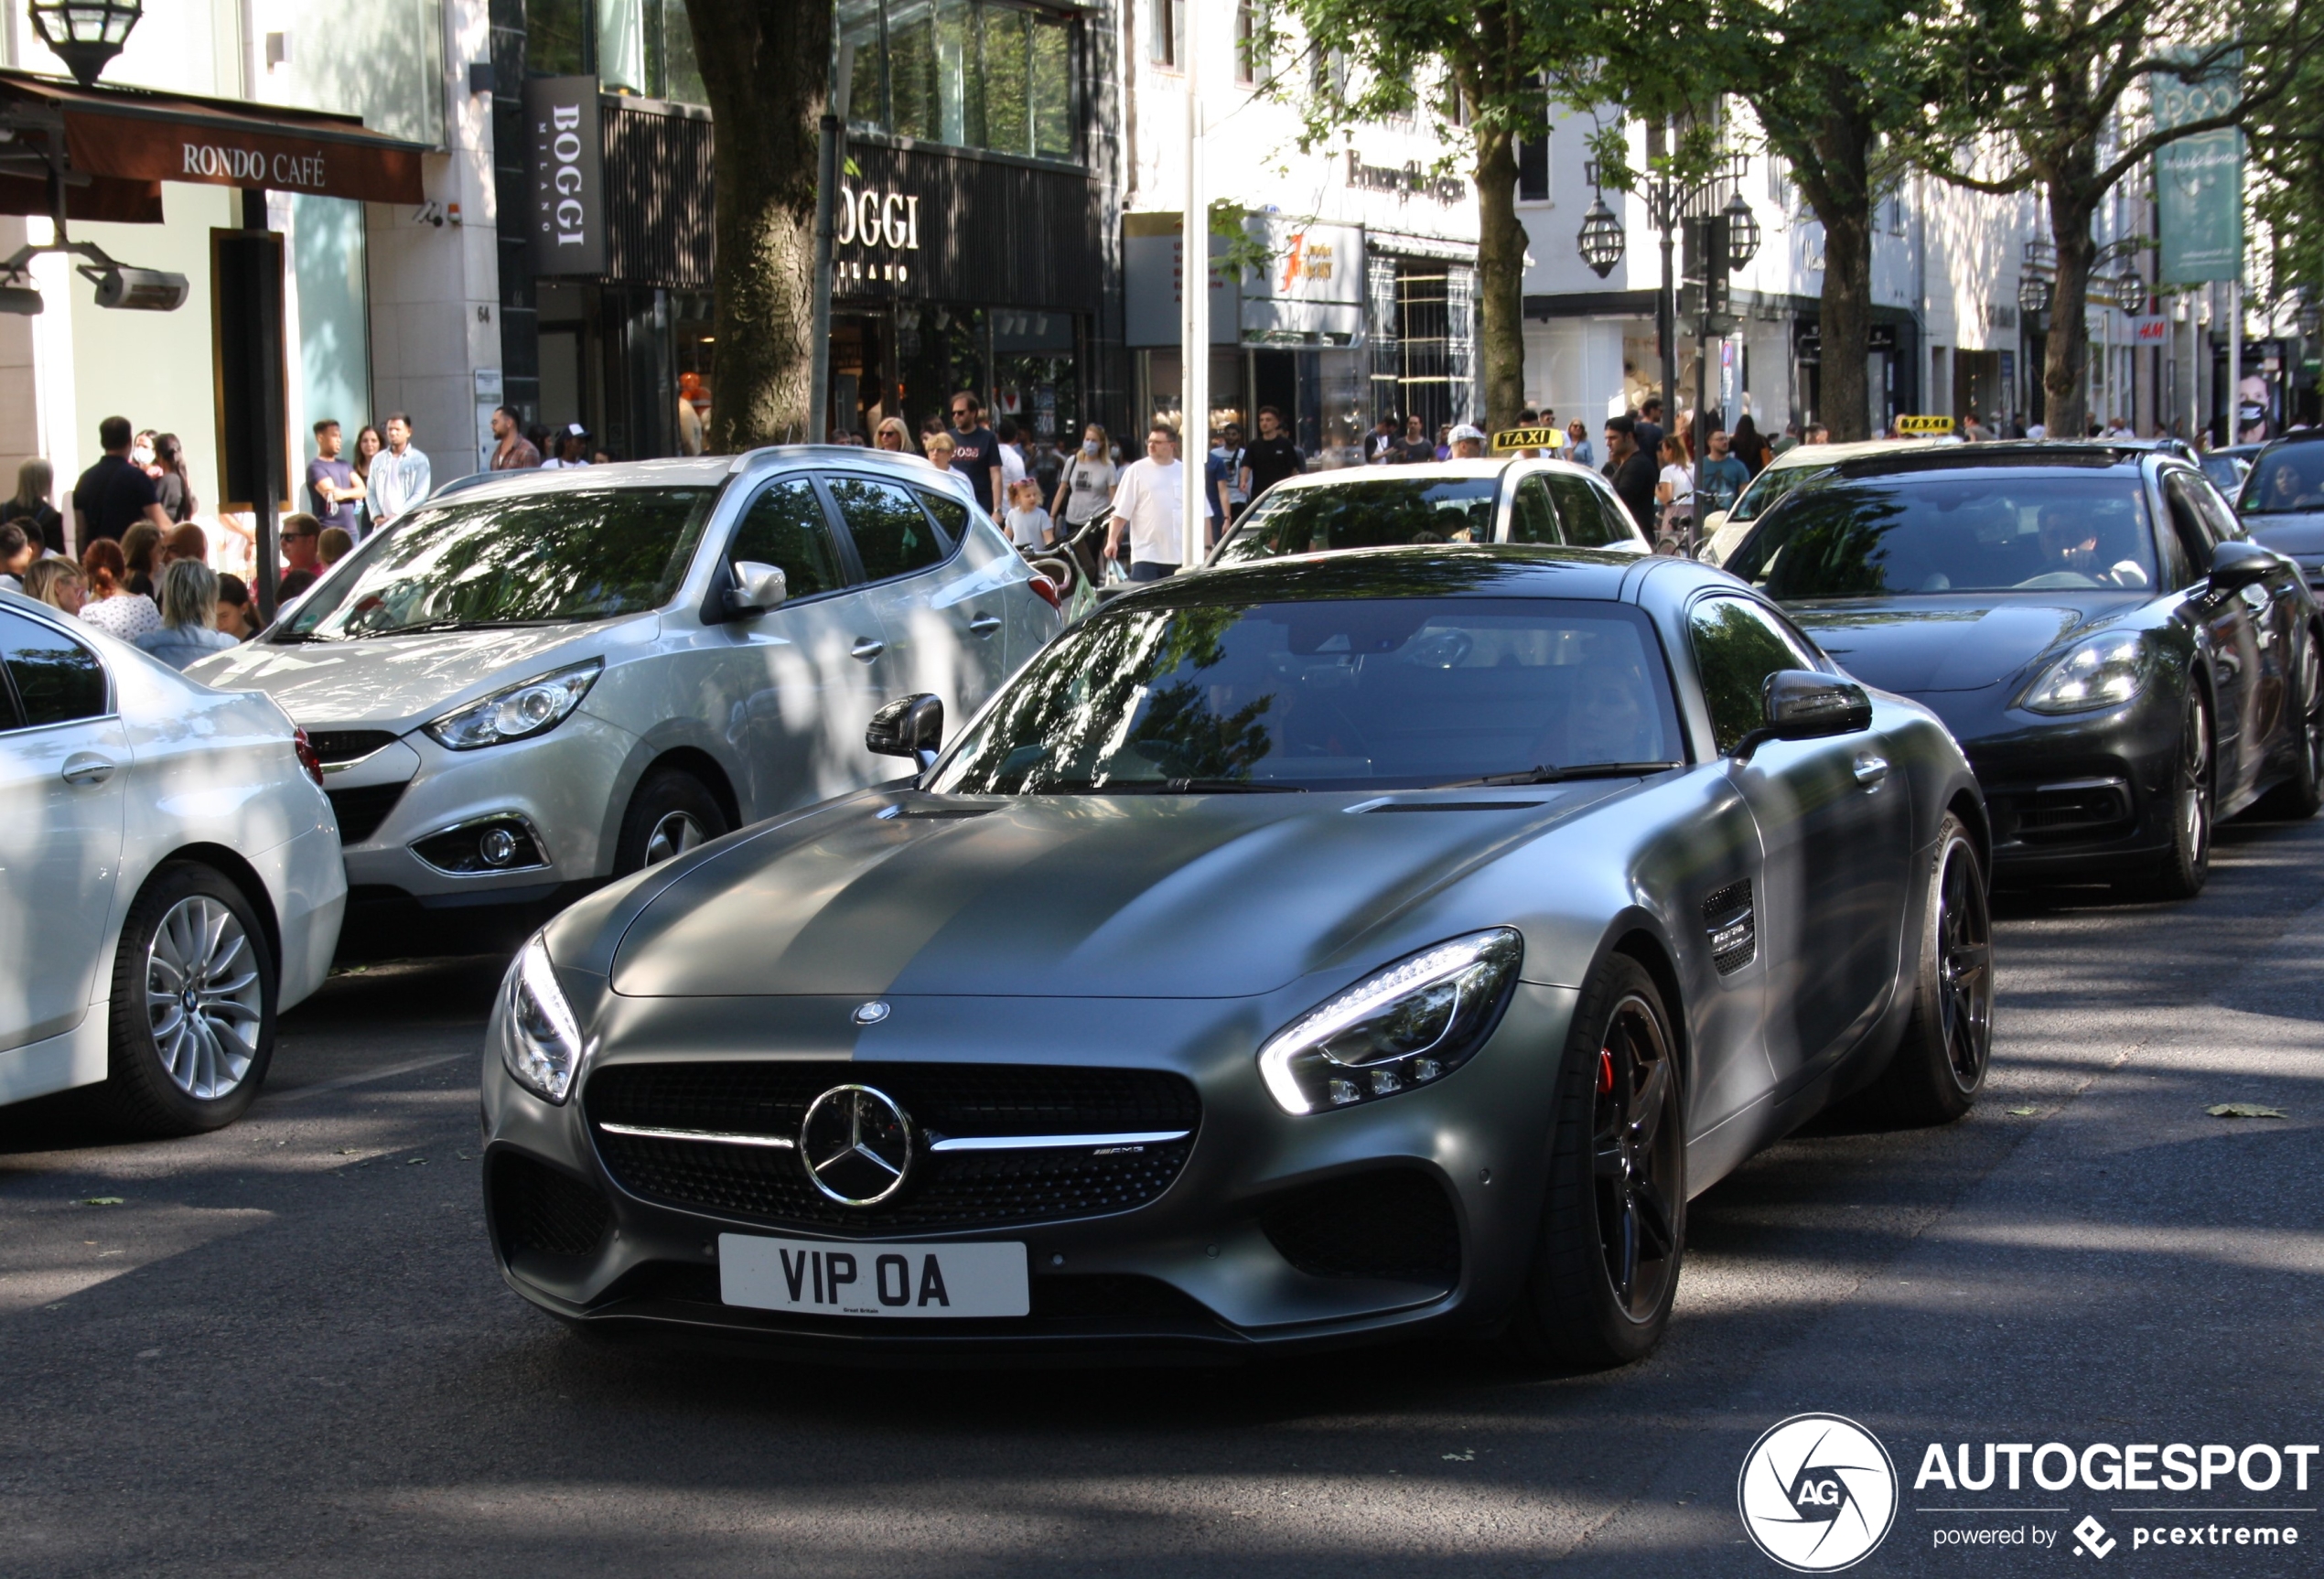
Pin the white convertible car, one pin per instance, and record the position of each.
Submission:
(170, 877)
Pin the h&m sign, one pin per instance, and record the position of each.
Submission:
(565, 134)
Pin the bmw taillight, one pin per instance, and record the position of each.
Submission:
(306, 757)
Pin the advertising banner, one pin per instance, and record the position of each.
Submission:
(2199, 180)
(565, 136)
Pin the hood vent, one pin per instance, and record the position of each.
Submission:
(1447, 806)
(934, 814)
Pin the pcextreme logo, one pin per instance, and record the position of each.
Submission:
(1817, 1493)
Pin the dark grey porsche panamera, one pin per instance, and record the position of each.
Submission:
(1297, 953)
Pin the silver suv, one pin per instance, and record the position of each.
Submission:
(540, 679)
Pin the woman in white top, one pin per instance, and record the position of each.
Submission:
(1675, 491)
(112, 607)
(1085, 496)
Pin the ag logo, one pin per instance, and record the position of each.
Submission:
(1817, 1493)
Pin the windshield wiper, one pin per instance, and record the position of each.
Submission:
(430, 626)
(1174, 786)
(1545, 775)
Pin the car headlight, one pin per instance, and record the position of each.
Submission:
(519, 712)
(542, 1049)
(2102, 671)
(1414, 1022)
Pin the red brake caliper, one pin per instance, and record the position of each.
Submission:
(1605, 1072)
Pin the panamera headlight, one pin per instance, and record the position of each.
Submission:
(2101, 671)
(519, 712)
(1413, 1023)
(542, 1047)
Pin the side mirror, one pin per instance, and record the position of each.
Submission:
(1806, 704)
(909, 727)
(2236, 566)
(758, 587)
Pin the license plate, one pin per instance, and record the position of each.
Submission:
(815, 1277)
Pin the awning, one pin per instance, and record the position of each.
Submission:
(126, 141)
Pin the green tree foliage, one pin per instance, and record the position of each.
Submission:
(1477, 71)
(2286, 167)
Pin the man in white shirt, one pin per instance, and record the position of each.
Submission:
(399, 476)
(1149, 504)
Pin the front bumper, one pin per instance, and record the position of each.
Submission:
(1206, 1268)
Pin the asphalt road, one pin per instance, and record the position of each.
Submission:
(285, 1349)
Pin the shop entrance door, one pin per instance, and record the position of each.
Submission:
(860, 361)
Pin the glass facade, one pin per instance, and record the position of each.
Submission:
(971, 73)
(643, 47)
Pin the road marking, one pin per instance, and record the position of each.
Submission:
(300, 1093)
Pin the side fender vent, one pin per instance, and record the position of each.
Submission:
(1733, 927)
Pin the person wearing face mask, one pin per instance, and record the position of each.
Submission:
(1085, 497)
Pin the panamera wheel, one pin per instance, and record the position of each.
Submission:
(1614, 1226)
(2186, 866)
(192, 1007)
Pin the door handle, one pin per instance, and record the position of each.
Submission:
(83, 768)
(986, 624)
(866, 649)
(1870, 768)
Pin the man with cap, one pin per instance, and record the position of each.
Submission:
(1467, 442)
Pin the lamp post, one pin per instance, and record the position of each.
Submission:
(85, 34)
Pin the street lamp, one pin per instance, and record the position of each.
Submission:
(1742, 234)
(2033, 295)
(85, 34)
(1602, 240)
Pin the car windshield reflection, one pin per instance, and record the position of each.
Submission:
(1372, 512)
(1999, 532)
(534, 559)
(1383, 693)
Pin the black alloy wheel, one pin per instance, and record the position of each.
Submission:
(1948, 1044)
(2186, 866)
(2301, 795)
(1635, 1150)
(1606, 1266)
(671, 813)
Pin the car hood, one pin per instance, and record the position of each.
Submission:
(393, 682)
(2300, 535)
(1148, 896)
(1962, 642)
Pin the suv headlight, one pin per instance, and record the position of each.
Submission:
(542, 1049)
(1414, 1022)
(519, 712)
(2103, 671)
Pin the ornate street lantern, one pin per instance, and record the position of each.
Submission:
(1601, 240)
(85, 34)
(2033, 295)
(1742, 234)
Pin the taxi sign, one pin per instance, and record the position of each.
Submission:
(1924, 425)
(1516, 438)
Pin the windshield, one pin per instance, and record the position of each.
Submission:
(2285, 481)
(531, 559)
(1772, 483)
(1375, 694)
(1997, 530)
(1374, 512)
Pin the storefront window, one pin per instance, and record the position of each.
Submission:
(558, 38)
(972, 73)
(643, 47)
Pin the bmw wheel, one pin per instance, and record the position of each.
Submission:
(671, 813)
(2302, 795)
(2187, 865)
(193, 1006)
(1938, 1070)
(1614, 1226)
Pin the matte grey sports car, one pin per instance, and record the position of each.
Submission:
(1323, 948)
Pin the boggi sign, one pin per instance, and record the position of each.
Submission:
(567, 145)
(877, 220)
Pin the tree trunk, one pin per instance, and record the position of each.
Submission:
(1500, 279)
(765, 68)
(1838, 182)
(2065, 381)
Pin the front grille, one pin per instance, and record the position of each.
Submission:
(1396, 1224)
(2056, 809)
(536, 1207)
(337, 745)
(361, 811)
(947, 1190)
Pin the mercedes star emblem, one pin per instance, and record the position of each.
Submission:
(871, 1014)
(858, 1144)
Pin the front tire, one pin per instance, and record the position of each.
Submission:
(1948, 1044)
(1613, 1230)
(671, 813)
(194, 987)
(2187, 865)
(2301, 795)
